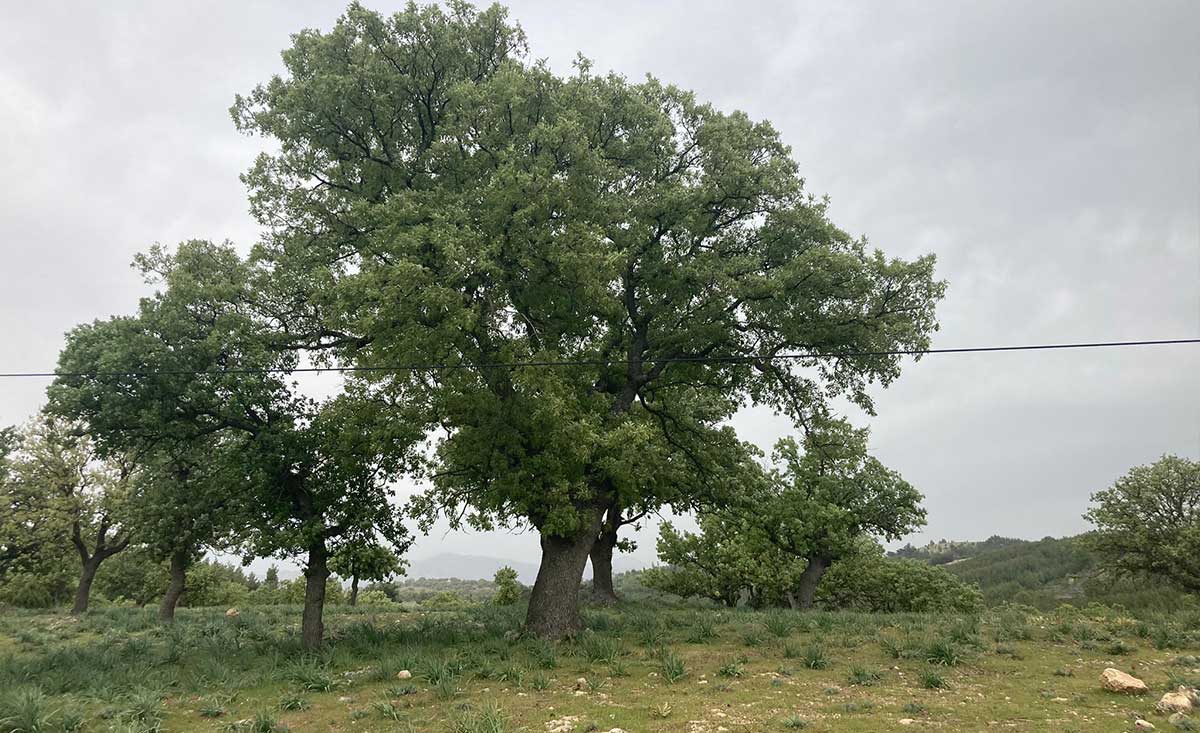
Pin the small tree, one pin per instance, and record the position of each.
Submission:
(365, 559)
(725, 561)
(71, 497)
(508, 590)
(201, 363)
(819, 502)
(1148, 522)
(30, 534)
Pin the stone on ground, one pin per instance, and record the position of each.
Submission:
(1175, 702)
(1114, 680)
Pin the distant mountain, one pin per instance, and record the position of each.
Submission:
(468, 567)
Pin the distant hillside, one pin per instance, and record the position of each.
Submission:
(1046, 573)
(946, 551)
(468, 567)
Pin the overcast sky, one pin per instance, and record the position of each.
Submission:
(1047, 152)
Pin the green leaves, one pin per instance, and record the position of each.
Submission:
(820, 501)
(437, 198)
(1148, 522)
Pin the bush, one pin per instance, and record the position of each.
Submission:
(508, 590)
(373, 597)
(876, 584)
(26, 591)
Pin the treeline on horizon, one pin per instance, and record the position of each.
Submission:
(1042, 574)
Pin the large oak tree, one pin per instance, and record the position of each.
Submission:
(434, 197)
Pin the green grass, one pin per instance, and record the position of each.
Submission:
(645, 669)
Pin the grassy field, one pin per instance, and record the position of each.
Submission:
(640, 669)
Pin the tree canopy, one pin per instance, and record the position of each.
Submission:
(200, 372)
(437, 198)
(1148, 522)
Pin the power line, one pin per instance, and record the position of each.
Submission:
(750, 359)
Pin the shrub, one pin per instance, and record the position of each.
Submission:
(870, 582)
(310, 674)
(863, 676)
(814, 657)
(24, 711)
(932, 679)
(732, 668)
(293, 702)
(673, 668)
(778, 624)
(701, 629)
(943, 652)
(508, 590)
(602, 649)
(490, 719)
(26, 590)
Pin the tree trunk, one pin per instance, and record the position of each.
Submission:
(312, 628)
(166, 609)
(806, 591)
(603, 591)
(554, 601)
(84, 592)
(354, 590)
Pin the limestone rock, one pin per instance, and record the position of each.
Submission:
(404, 674)
(1114, 680)
(562, 725)
(232, 613)
(1143, 724)
(1174, 702)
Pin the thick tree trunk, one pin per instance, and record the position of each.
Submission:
(354, 591)
(166, 609)
(554, 601)
(603, 591)
(806, 591)
(84, 592)
(312, 627)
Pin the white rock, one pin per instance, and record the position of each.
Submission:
(404, 674)
(562, 725)
(1114, 680)
(232, 613)
(1143, 724)
(906, 721)
(1174, 702)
